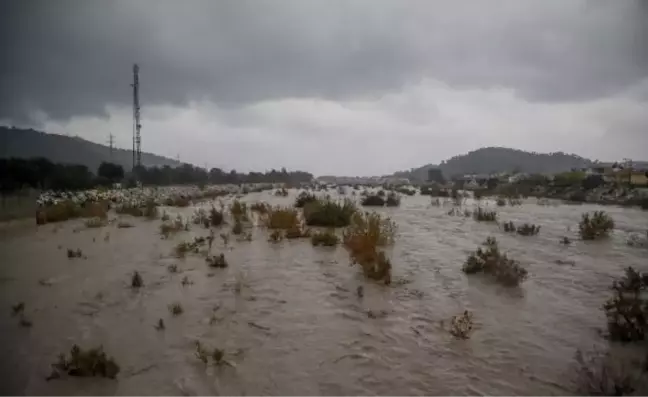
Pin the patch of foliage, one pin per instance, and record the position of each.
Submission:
(217, 261)
(373, 200)
(491, 261)
(282, 218)
(328, 213)
(304, 198)
(215, 217)
(74, 253)
(85, 363)
(627, 309)
(326, 238)
(276, 236)
(595, 226)
(124, 225)
(368, 232)
(528, 229)
(462, 325)
(260, 207)
(501, 201)
(393, 200)
(136, 280)
(176, 309)
(482, 215)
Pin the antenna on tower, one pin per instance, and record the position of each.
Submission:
(137, 139)
(111, 142)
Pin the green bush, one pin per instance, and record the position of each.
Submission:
(327, 238)
(627, 310)
(328, 213)
(491, 261)
(595, 226)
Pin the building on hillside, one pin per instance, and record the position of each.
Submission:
(435, 175)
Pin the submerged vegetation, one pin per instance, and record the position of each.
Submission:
(627, 309)
(482, 215)
(326, 238)
(595, 226)
(489, 260)
(85, 363)
(328, 213)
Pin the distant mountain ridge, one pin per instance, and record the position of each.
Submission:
(499, 159)
(27, 143)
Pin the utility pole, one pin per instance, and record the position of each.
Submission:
(137, 139)
(111, 143)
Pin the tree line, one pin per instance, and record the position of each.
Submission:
(41, 173)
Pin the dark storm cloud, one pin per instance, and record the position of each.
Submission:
(70, 58)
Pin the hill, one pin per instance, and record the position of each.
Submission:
(26, 143)
(498, 159)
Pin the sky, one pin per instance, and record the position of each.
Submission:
(343, 87)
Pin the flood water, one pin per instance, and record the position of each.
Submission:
(296, 325)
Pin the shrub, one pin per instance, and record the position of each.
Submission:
(276, 236)
(393, 200)
(327, 213)
(237, 229)
(373, 201)
(177, 201)
(136, 280)
(304, 198)
(282, 218)
(168, 228)
(148, 209)
(578, 197)
(281, 192)
(85, 363)
(462, 325)
(239, 211)
(482, 215)
(217, 261)
(528, 229)
(215, 217)
(602, 374)
(509, 227)
(261, 208)
(70, 210)
(176, 309)
(368, 232)
(124, 225)
(95, 222)
(501, 202)
(406, 191)
(596, 226)
(74, 253)
(297, 232)
(492, 262)
(627, 309)
(327, 238)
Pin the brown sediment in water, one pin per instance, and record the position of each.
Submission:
(296, 324)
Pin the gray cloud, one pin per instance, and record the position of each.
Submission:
(72, 58)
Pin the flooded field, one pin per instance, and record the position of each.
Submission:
(288, 315)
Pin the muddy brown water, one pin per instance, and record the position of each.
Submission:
(296, 325)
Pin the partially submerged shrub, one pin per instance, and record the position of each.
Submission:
(281, 192)
(328, 213)
(602, 374)
(501, 202)
(528, 229)
(259, 207)
(92, 362)
(482, 215)
(373, 200)
(239, 211)
(491, 261)
(627, 310)
(565, 240)
(304, 198)
(276, 236)
(136, 280)
(74, 253)
(217, 261)
(215, 217)
(393, 200)
(70, 210)
(595, 226)
(176, 309)
(282, 218)
(509, 227)
(95, 222)
(200, 217)
(406, 191)
(368, 232)
(124, 225)
(461, 325)
(297, 232)
(326, 238)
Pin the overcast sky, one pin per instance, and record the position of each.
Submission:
(332, 87)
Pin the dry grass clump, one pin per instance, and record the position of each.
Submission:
(405, 191)
(368, 232)
(297, 232)
(237, 229)
(627, 309)
(217, 261)
(217, 355)
(326, 238)
(461, 325)
(328, 213)
(482, 215)
(282, 218)
(85, 363)
(70, 210)
(595, 226)
(492, 262)
(304, 198)
(373, 200)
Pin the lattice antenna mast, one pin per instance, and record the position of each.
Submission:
(137, 138)
(111, 143)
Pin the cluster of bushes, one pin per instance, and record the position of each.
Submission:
(85, 363)
(364, 238)
(328, 213)
(491, 261)
(380, 200)
(70, 210)
(304, 198)
(595, 226)
(527, 229)
(482, 215)
(282, 218)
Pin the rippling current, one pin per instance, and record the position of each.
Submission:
(296, 325)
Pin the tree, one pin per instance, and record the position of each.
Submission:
(111, 172)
